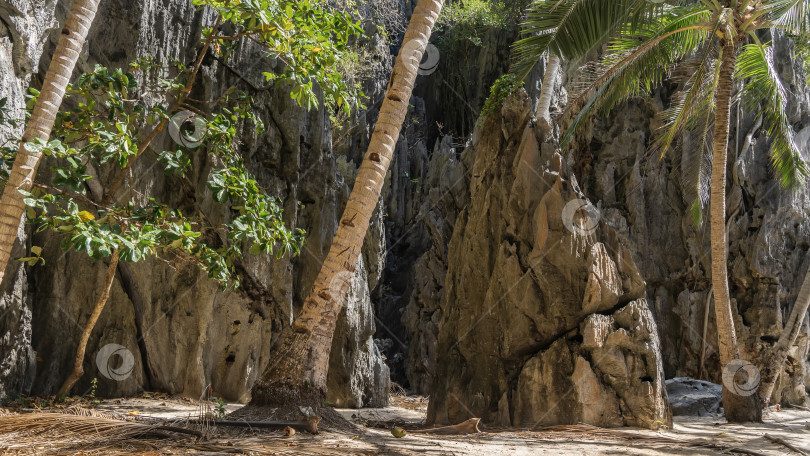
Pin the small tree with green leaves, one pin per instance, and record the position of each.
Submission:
(100, 130)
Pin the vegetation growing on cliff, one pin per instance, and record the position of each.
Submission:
(468, 20)
(505, 85)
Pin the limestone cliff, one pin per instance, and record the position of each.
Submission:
(545, 319)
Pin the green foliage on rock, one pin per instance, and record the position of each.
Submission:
(505, 86)
(306, 36)
(468, 20)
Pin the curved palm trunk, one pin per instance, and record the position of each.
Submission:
(738, 408)
(775, 360)
(297, 373)
(78, 360)
(40, 125)
(542, 115)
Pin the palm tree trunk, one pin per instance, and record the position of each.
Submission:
(297, 372)
(71, 41)
(778, 354)
(738, 408)
(546, 92)
(78, 360)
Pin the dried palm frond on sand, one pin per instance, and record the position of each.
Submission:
(73, 433)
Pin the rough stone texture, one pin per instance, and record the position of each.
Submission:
(427, 188)
(445, 188)
(458, 89)
(612, 378)
(690, 397)
(424, 287)
(544, 319)
(183, 331)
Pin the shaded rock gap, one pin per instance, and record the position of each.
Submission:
(130, 287)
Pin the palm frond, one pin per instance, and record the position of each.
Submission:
(695, 100)
(571, 28)
(696, 159)
(791, 15)
(692, 114)
(696, 167)
(763, 92)
(631, 69)
(86, 433)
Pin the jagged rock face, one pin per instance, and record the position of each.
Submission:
(544, 317)
(606, 373)
(183, 331)
(427, 188)
(644, 201)
(460, 85)
(446, 187)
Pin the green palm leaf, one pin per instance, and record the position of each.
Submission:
(699, 75)
(763, 91)
(571, 28)
(631, 69)
(791, 15)
(692, 113)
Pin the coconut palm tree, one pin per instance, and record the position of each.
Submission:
(39, 126)
(297, 372)
(543, 113)
(708, 46)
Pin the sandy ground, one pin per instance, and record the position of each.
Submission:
(373, 437)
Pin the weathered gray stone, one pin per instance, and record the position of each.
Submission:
(357, 376)
(690, 397)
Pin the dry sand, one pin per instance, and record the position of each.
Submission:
(373, 435)
(793, 426)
